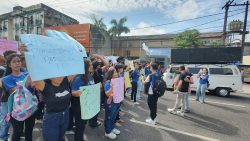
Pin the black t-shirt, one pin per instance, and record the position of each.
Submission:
(185, 85)
(56, 98)
(98, 76)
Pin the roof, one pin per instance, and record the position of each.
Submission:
(148, 37)
(32, 8)
(211, 34)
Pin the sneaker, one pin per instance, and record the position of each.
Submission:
(111, 135)
(187, 111)
(132, 100)
(172, 111)
(180, 113)
(150, 121)
(98, 123)
(136, 103)
(71, 132)
(116, 131)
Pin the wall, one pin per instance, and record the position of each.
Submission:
(80, 32)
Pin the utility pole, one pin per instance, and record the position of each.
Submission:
(226, 6)
(244, 28)
(243, 32)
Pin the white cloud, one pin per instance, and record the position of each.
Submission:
(190, 9)
(178, 9)
(140, 30)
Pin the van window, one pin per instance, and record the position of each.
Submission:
(221, 71)
(194, 70)
(175, 69)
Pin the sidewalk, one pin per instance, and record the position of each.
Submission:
(246, 88)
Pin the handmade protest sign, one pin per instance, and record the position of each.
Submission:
(65, 36)
(8, 45)
(90, 101)
(51, 57)
(127, 80)
(131, 65)
(118, 89)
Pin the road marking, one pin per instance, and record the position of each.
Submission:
(221, 103)
(174, 130)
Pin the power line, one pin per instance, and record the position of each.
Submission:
(206, 23)
(184, 20)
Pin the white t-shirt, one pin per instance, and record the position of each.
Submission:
(150, 90)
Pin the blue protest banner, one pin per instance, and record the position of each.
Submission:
(90, 101)
(49, 57)
(63, 35)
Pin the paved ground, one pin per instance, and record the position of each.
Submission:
(221, 119)
(246, 88)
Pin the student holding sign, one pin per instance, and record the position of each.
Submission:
(111, 108)
(13, 75)
(79, 81)
(56, 95)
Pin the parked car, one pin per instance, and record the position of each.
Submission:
(223, 78)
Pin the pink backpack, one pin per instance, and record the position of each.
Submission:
(22, 104)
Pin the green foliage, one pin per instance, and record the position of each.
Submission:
(118, 27)
(189, 38)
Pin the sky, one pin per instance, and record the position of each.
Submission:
(142, 14)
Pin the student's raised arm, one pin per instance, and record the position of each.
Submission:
(39, 85)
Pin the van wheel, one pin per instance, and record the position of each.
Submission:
(224, 92)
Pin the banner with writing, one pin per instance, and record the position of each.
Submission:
(118, 89)
(8, 45)
(127, 80)
(90, 101)
(51, 57)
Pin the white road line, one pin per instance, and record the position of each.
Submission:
(221, 103)
(176, 131)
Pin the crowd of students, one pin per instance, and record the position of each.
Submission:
(59, 98)
(59, 102)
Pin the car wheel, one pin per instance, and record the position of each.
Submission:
(224, 92)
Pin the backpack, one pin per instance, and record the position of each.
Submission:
(159, 87)
(22, 104)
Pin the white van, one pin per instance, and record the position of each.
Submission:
(223, 78)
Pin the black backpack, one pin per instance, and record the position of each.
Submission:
(160, 87)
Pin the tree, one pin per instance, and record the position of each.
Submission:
(189, 38)
(98, 23)
(118, 27)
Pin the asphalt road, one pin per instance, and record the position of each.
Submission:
(220, 119)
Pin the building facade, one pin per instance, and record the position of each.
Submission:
(31, 20)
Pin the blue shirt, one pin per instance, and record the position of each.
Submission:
(135, 76)
(9, 81)
(78, 82)
(205, 81)
(107, 86)
(147, 71)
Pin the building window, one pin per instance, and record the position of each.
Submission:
(38, 30)
(31, 20)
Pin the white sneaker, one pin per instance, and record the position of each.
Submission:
(111, 135)
(116, 131)
(172, 111)
(150, 121)
(136, 103)
(70, 132)
(180, 113)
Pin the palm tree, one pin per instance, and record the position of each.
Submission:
(98, 23)
(117, 28)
